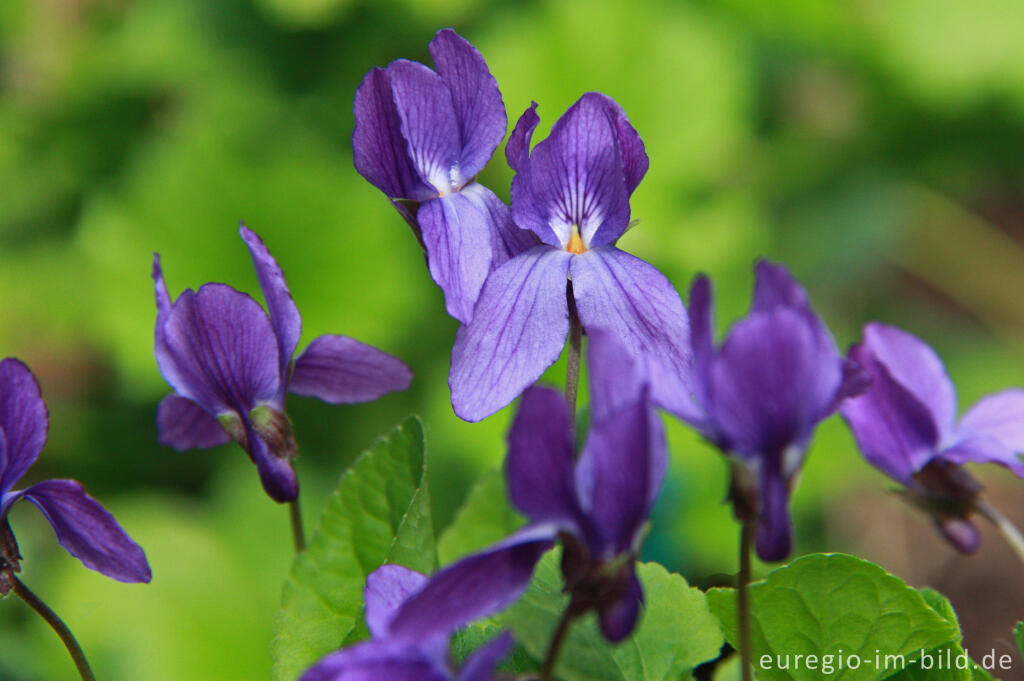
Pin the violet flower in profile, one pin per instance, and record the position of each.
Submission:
(597, 506)
(421, 137)
(573, 193)
(83, 527)
(404, 651)
(906, 426)
(230, 365)
(763, 392)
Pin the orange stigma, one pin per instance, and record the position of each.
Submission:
(576, 245)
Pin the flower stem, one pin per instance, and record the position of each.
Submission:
(743, 598)
(572, 371)
(57, 624)
(555, 647)
(1006, 528)
(298, 534)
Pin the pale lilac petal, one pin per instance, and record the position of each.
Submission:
(379, 151)
(457, 236)
(341, 370)
(221, 351)
(618, 617)
(992, 431)
(474, 587)
(615, 377)
(517, 149)
(23, 421)
(917, 368)
(518, 330)
(623, 294)
(575, 177)
(387, 588)
(479, 111)
(631, 148)
(377, 661)
(507, 240)
(429, 125)
(893, 429)
(539, 465)
(480, 665)
(284, 315)
(88, 531)
(184, 425)
(771, 383)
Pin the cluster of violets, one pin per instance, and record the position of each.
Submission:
(523, 280)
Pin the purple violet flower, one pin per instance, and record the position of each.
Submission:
(598, 506)
(906, 426)
(573, 193)
(83, 527)
(421, 137)
(230, 365)
(763, 392)
(400, 651)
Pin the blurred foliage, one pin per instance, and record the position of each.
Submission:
(875, 146)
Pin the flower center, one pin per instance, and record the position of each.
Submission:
(575, 245)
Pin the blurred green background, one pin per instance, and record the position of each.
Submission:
(875, 146)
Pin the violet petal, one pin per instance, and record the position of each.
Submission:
(387, 588)
(342, 370)
(23, 421)
(619, 617)
(184, 425)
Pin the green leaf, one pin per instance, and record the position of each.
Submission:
(484, 519)
(1018, 633)
(944, 661)
(475, 636)
(676, 633)
(827, 604)
(380, 513)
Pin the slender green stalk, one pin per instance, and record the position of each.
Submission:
(298, 534)
(572, 371)
(743, 598)
(57, 624)
(1006, 528)
(555, 647)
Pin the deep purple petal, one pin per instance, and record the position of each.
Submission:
(23, 421)
(517, 149)
(518, 330)
(479, 111)
(275, 470)
(771, 383)
(539, 465)
(701, 338)
(379, 151)
(184, 425)
(507, 239)
(623, 294)
(341, 370)
(88, 531)
(284, 315)
(917, 368)
(992, 431)
(631, 148)
(457, 236)
(221, 351)
(387, 588)
(575, 177)
(377, 661)
(480, 665)
(474, 587)
(429, 125)
(893, 428)
(618, 618)
(775, 287)
(774, 536)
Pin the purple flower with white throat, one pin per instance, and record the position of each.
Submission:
(763, 392)
(573, 193)
(597, 506)
(906, 426)
(404, 647)
(421, 137)
(83, 527)
(230, 365)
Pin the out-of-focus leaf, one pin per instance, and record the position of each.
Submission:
(485, 518)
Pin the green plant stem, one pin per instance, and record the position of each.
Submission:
(555, 647)
(57, 624)
(1009, 531)
(743, 598)
(298, 534)
(572, 371)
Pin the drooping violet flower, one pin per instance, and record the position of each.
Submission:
(421, 137)
(573, 193)
(400, 651)
(763, 392)
(230, 365)
(906, 426)
(83, 527)
(597, 506)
